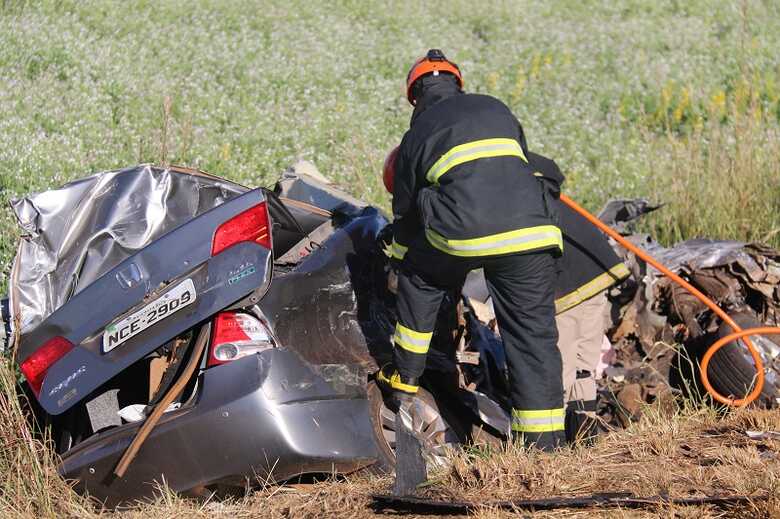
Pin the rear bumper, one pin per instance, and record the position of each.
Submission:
(269, 416)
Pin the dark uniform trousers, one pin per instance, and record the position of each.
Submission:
(522, 287)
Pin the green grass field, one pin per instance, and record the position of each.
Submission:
(675, 100)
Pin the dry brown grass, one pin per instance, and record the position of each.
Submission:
(30, 485)
(680, 453)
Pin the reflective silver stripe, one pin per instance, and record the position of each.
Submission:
(503, 243)
(411, 340)
(536, 421)
(543, 420)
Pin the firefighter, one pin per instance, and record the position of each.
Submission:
(465, 197)
(588, 267)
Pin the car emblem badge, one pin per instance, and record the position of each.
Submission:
(129, 276)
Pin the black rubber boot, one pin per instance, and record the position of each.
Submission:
(546, 441)
(580, 427)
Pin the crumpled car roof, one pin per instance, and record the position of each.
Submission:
(74, 234)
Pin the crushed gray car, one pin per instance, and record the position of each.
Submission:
(119, 273)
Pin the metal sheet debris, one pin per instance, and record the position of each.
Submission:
(660, 331)
(388, 504)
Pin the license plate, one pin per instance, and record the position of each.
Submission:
(168, 304)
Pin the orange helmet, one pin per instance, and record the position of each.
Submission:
(388, 171)
(432, 63)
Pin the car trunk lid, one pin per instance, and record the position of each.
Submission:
(164, 288)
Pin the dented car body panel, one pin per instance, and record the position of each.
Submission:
(73, 235)
(325, 308)
(182, 256)
(300, 400)
(299, 407)
(269, 416)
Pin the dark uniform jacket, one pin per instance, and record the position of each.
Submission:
(589, 265)
(463, 180)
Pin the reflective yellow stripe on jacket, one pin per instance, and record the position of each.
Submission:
(411, 340)
(521, 240)
(538, 420)
(472, 151)
(596, 285)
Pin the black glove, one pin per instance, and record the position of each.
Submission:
(384, 241)
(385, 237)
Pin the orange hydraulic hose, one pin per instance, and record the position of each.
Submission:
(739, 332)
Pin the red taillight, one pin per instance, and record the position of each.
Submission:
(251, 225)
(237, 335)
(37, 364)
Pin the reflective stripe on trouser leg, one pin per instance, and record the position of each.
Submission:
(538, 420)
(417, 305)
(412, 340)
(410, 350)
(522, 288)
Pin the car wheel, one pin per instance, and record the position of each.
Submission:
(731, 370)
(437, 434)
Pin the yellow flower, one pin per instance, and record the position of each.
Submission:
(492, 81)
(536, 64)
(622, 107)
(698, 123)
(225, 151)
(666, 94)
(519, 87)
(685, 102)
(718, 104)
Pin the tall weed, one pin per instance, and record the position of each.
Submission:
(722, 181)
(30, 486)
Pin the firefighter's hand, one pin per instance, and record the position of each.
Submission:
(392, 280)
(384, 241)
